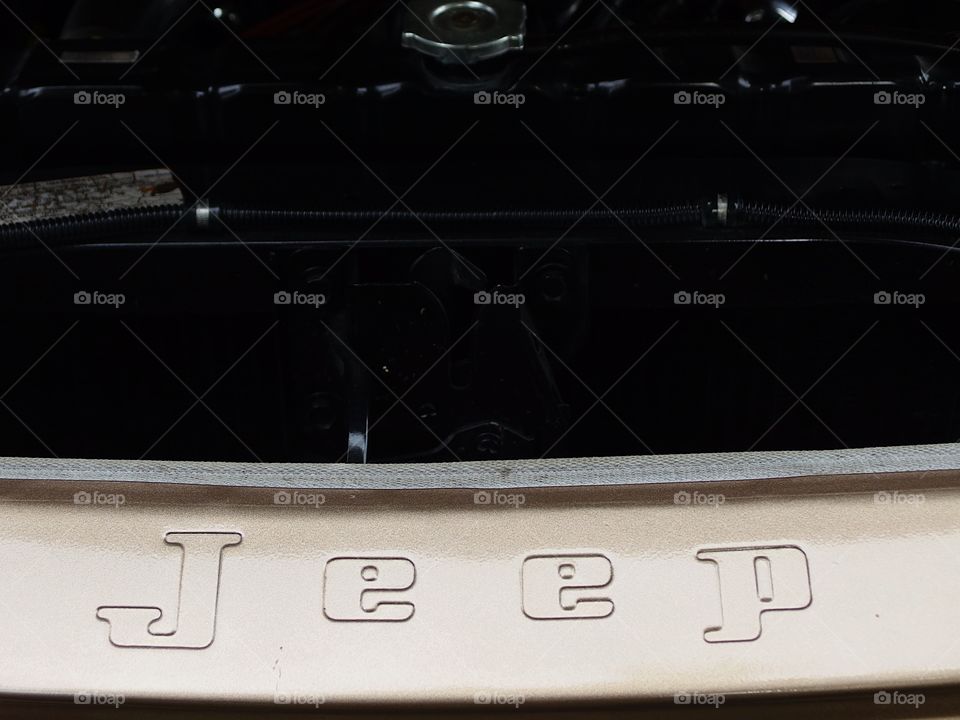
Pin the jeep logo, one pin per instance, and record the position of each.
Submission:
(569, 586)
(191, 625)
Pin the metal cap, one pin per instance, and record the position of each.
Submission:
(465, 31)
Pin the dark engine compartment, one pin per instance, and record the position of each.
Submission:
(795, 288)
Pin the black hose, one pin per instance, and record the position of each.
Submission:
(747, 213)
(76, 229)
(95, 227)
(146, 225)
(679, 214)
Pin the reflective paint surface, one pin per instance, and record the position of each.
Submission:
(629, 593)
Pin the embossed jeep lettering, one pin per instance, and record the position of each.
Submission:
(356, 589)
(192, 625)
(557, 587)
(753, 580)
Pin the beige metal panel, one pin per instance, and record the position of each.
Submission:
(529, 596)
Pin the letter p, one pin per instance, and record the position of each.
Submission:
(754, 580)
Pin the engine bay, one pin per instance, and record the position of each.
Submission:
(370, 232)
